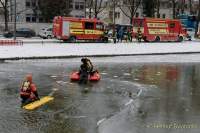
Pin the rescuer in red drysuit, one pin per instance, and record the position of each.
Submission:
(28, 90)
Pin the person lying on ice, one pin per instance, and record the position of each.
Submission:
(86, 68)
(28, 91)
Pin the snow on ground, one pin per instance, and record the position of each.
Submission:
(42, 50)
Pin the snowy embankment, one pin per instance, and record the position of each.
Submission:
(64, 50)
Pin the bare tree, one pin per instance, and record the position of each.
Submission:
(5, 6)
(113, 4)
(190, 6)
(95, 7)
(35, 8)
(182, 6)
(85, 2)
(158, 8)
(174, 8)
(174, 5)
(130, 8)
(88, 5)
(198, 20)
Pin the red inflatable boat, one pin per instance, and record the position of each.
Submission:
(76, 77)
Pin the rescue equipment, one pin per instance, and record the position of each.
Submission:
(75, 76)
(38, 103)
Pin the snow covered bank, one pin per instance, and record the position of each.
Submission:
(56, 50)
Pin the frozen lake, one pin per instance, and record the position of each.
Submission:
(170, 95)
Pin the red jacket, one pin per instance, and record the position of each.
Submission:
(28, 89)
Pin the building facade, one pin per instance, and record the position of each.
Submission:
(27, 10)
(29, 15)
(77, 8)
(165, 10)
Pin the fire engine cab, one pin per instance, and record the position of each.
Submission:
(155, 29)
(73, 29)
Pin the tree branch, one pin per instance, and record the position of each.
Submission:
(137, 6)
(124, 12)
(3, 4)
(100, 5)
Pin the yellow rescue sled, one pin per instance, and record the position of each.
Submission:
(38, 103)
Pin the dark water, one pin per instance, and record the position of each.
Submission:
(170, 96)
(174, 109)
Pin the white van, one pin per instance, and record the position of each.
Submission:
(46, 33)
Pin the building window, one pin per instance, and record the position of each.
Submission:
(41, 20)
(163, 16)
(117, 14)
(28, 19)
(28, 4)
(137, 14)
(33, 4)
(79, 5)
(71, 6)
(165, 5)
(125, 2)
(31, 18)
(158, 15)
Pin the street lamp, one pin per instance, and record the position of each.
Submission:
(15, 15)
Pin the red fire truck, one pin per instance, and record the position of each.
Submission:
(155, 29)
(73, 29)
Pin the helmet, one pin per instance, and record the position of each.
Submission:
(87, 59)
(29, 77)
(83, 59)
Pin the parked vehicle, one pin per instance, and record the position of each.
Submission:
(191, 33)
(46, 33)
(73, 29)
(22, 32)
(110, 33)
(154, 29)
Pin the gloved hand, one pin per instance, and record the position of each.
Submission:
(37, 98)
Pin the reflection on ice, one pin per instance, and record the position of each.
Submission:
(127, 74)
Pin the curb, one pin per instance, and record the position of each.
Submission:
(77, 56)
